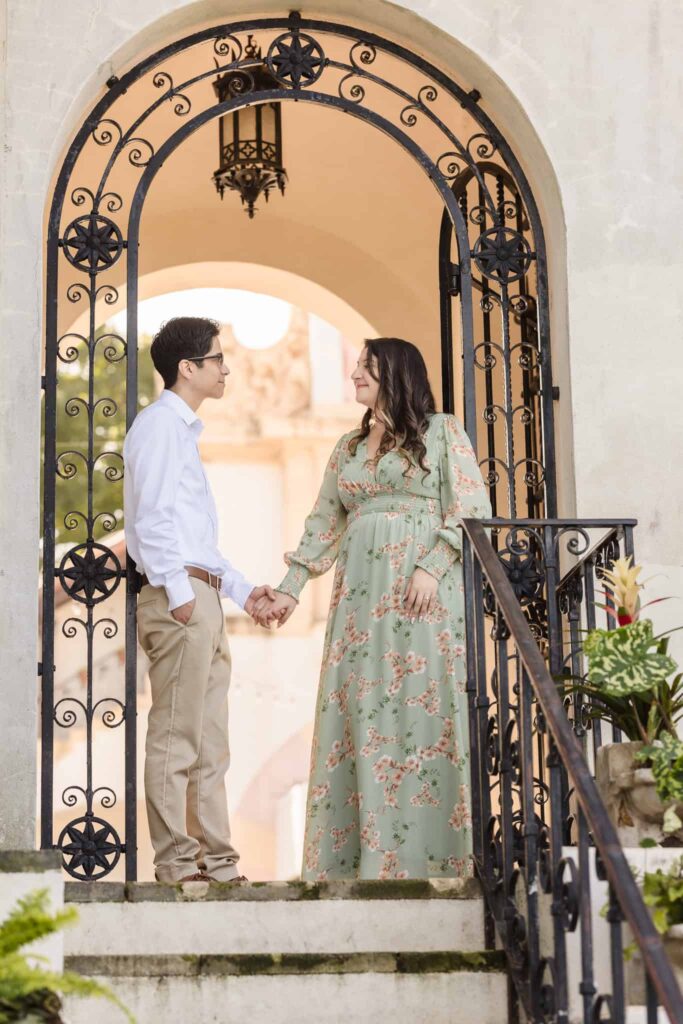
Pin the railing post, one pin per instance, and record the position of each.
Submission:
(517, 845)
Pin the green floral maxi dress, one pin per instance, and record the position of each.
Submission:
(389, 787)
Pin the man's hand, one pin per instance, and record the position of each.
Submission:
(420, 596)
(262, 596)
(280, 609)
(183, 613)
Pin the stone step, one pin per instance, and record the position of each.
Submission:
(356, 988)
(273, 919)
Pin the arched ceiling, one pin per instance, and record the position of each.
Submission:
(358, 217)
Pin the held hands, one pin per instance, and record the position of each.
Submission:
(263, 594)
(420, 596)
(183, 613)
(266, 606)
(280, 609)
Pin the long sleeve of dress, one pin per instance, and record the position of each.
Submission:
(463, 496)
(323, 531)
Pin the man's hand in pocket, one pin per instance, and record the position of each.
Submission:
(183, 613)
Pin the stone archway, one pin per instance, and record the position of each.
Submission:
(95, 225)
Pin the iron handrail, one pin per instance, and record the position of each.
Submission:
(585, 559)
(604, 834)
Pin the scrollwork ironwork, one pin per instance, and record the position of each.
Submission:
(68, 716)
(70, 355)
(92, 243)
(567, 906)
(183, 105)
(110, 351)
(111, 473)
(229, 46)
(449, 164)
(502, 254)
(67, 470)
(90, 847)
(89, 573)
(296, 59)
(127, 142)
(547, 990)
(520, 850)
(113, 716)
(103, 134)
(362, 54)
(484, 146)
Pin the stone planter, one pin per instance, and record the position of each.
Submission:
(629, 794)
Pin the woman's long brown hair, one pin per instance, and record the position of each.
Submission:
(404, 400)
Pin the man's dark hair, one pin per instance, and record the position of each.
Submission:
(183, 337)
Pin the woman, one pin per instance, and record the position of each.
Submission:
(389, 788)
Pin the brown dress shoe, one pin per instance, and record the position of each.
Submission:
(198, 876)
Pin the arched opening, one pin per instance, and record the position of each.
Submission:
(263, 450)
(96, 244)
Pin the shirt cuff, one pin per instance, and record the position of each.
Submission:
(237, 590)
(295, 581)
(179, 590)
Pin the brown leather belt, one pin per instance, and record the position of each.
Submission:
(200, 574)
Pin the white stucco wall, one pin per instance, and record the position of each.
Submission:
(591, 113)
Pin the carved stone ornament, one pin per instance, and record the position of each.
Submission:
(628, 791)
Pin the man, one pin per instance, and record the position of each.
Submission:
(171, 533)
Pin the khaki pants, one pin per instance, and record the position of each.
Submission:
(187, 751)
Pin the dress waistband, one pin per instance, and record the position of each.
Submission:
(409, 504)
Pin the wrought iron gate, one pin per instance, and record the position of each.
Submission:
(493, 298)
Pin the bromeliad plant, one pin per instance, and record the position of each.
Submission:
(629, 679)
(632, 682)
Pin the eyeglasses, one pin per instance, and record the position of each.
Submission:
(218, 357)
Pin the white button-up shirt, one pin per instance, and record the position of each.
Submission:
(169, 511)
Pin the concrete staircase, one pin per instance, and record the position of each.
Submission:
(407, 952)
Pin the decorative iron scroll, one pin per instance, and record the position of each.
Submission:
(540, 829)
(498, 258)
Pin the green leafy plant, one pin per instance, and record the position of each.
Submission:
(665, 757)
(628, 660)
(628, 681)
(26, 987)
(632, 682)
(663, 892)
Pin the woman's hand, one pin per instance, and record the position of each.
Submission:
(420, 596)
(267, 611)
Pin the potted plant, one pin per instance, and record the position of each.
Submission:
(28, 992)
(663, 892)
(632, 682)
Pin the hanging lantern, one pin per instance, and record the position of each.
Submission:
(250, 139)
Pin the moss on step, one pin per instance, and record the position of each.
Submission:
(14, 862)
(372, 889)
(94, 892)
(288, 963)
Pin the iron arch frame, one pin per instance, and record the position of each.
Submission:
(313, 61)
